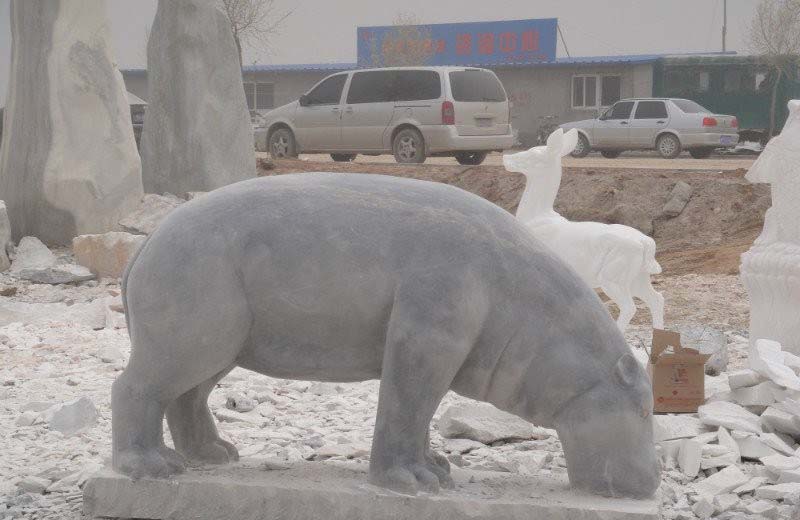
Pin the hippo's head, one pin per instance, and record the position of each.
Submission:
(607, 435)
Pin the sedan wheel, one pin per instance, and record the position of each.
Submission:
(668, 146)
(470, 158)
(581, 149)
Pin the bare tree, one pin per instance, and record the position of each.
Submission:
(775, 35)
(254, 22)
(407, 44)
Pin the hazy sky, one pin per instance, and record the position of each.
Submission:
(325, 30)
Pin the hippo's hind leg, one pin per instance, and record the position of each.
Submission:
(433, 326)
(138, 440)
(193, 429)
(180, 341)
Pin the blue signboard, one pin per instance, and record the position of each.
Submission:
(476, 43)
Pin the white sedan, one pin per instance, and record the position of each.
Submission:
(666, 125)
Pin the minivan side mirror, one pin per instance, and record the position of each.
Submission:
(303, 100)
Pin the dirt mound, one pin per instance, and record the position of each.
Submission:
(720, 221)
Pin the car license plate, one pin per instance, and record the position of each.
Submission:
(726, 139)
(483, 122)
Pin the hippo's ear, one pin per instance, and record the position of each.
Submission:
(627, 370)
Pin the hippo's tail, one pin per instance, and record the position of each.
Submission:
(124, 284)
(650, 262)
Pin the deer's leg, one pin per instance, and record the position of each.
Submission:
(624, 299)
(643, 289)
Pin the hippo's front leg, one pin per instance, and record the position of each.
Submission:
(433, 326)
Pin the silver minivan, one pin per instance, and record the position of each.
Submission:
(411, 112)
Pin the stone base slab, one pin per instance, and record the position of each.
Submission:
(339, 490)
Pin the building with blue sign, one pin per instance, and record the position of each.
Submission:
(542, 87)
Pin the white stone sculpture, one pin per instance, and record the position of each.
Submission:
(617, 259)
(68, 164)
(197, 131)
(770, 270)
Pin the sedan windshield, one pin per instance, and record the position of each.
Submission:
(690, 107)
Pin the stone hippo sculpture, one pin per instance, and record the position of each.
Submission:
(347, 277)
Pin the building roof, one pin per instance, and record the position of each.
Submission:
(629, 59)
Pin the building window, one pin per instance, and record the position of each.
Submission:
(250, 94)
(265, 96)
(260, 96)
(612, 90)
(588, 90)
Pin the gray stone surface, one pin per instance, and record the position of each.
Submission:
(73, 416)
(197, 131)
(68, 164)
(318, 490)
(57, 274)
(707, 341)
(31, 253)
(5, 238)
(678, 198)
(485, 423)
(144, 219)
(424, 286)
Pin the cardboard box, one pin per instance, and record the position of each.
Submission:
(677, 373)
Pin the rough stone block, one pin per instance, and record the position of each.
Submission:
(743, 378)
(678, 198)
(707, 341)
(150, 212)
(724, 481)
(197, 135)
(69, 164)
(245, 491)
(5, 237)
(108, 254)
(729, 415)
(485, 423)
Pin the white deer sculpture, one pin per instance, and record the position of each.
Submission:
(617, 259)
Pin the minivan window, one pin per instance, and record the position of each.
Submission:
(417, 85)
(476, 85)
(374, 86)
(650, 110)
(380, 86)
(329, 92)
(690, 107)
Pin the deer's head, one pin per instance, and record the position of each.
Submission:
(543, 159)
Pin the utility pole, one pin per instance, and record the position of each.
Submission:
(724, 23)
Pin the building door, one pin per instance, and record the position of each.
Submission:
(612, 129)
(319, 116)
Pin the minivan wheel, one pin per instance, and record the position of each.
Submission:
(343, 157)
(610, 154)
(581, 149)
(409, 146)
(282, 144)
(701, 153)
(470, 158)
(668, 146)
